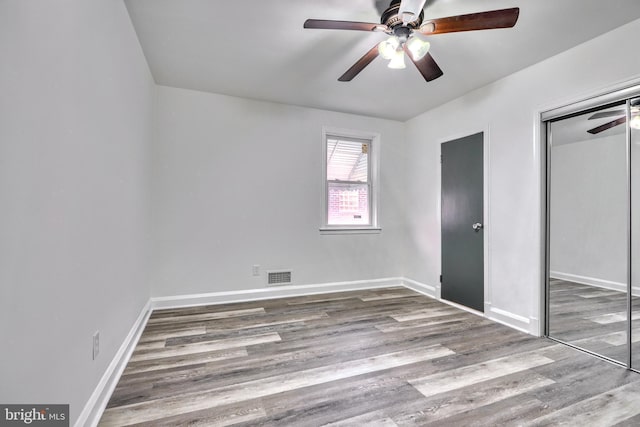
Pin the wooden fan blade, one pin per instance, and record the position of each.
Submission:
(503, 18)
(426, 65)
(606, 126)
(603, 114)
(359, 65)
(344, 25)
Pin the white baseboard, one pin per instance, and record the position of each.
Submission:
(535, 327)
(507, 318)
(428, 290)
(92, 411)
(592, 281)
(178, 301)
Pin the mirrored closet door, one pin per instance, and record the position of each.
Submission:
(588, 222)
(634, 130)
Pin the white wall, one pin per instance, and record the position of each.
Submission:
(508, 108)
(238, 182)
(75, 121)
(588, 217)
(233, 183)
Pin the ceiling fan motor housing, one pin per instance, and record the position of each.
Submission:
(391, 19)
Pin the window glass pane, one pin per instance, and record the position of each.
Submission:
(348, 204)
(347, 160)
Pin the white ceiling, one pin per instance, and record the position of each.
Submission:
(258, 49)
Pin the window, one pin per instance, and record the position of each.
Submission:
(349, 199)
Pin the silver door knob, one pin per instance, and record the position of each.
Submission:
(477, 226)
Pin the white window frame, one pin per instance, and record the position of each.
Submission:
(373, 165)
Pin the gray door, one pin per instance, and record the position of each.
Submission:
(462, 222)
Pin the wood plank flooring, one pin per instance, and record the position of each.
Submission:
(387, 357)
(594, 319)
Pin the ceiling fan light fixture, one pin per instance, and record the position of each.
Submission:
(404, 19)
(397, 62)
(387, 48)
(418, 47)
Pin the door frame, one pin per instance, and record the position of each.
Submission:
(486, 220)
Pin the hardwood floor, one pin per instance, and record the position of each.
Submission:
(594, 319)
(387, 357)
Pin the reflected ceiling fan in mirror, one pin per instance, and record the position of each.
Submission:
(404, 22)
(621, 118)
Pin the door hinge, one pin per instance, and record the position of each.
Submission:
(441, 278)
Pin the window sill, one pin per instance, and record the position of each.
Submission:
(350, 230)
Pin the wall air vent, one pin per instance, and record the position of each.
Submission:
(282, 277)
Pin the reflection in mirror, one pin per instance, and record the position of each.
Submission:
(588, 232)
(634, 126)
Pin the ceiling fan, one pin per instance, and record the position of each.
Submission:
(404, 22)
(621, 118)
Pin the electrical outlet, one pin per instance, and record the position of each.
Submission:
(96, 345)
(256, 270)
